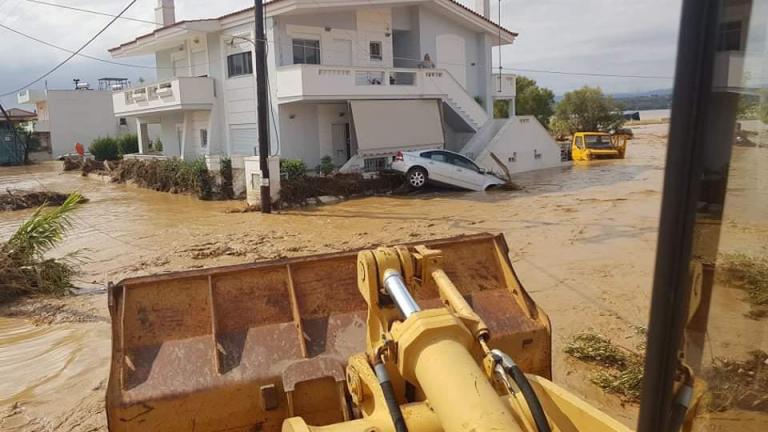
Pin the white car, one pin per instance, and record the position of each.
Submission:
(443, 167)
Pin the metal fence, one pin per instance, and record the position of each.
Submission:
(12, 147)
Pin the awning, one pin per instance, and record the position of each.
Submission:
(387, 126)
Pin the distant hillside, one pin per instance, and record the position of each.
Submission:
(638, 101)
(658, 92)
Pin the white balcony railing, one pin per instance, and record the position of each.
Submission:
(321, 82)
(504, 85)
(192, 93)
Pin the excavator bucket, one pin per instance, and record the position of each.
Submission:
(241, 348)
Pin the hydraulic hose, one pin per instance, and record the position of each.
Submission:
(513, 370)
(389, 396)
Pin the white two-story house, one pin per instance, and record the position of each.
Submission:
(348, 79)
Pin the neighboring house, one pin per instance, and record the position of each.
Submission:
(347, 80)
(13, 145)
(20, 118)
(68, 117)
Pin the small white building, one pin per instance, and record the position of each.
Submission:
(68, 117)
(347, 80)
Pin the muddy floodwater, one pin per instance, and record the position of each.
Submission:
(582, 239)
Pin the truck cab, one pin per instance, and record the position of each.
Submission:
(587, 146)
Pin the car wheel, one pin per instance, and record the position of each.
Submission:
(417, 177)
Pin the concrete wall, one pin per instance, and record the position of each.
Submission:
(344, 37)
(518, 143)
(81, 116)
(299, 138)
(476, 63)
(309, 134)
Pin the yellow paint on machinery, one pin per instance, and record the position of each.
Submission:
(587, 146)
(412, 335)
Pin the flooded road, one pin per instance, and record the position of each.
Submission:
(582, 239)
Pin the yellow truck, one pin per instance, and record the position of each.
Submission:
(587, 146)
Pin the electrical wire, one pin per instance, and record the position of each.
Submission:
(362, 49)
(49, 44)
(93, 12)
(590, 74)
(71, 56)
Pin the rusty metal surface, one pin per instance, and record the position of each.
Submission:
(195, 350)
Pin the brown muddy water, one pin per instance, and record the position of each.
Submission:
(582, 240)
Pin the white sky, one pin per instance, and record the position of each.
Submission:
(626, 37)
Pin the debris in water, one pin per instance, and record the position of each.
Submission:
(24, 200)
(749, 273)
(739, 384)
(620, 371)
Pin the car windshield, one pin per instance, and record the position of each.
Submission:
(598, 141)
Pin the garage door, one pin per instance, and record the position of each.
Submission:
(387, 126)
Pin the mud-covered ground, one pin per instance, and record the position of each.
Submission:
(582, 240)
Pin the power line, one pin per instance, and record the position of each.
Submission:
(71, 56)
(362, 49)
(20, 33)
(93, 12)
(589, 74)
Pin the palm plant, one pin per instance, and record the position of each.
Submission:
(24, 270)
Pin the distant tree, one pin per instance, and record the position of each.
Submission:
(587, 109)
(534, 100)
(141, 80)
(501, 109)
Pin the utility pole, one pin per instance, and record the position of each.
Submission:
(262, 109)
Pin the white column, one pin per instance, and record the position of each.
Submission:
(143, 134)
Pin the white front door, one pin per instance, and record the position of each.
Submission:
(341, 144)
(451, 56)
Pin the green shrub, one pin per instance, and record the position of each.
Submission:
(104, 148)
(24, 268)
(173, 175)
(127, 144)
(326, 166)
(158, 145)
(298, 191)
(292, 168)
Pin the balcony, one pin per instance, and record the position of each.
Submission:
(182, 93)
(504, 86)
(318, 82)
(327, 83)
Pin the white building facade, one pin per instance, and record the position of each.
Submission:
(68, 117)
(348, 80)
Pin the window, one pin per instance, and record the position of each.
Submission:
(463, 162)
(123, 121)
(375, 50)
(239, 64)
(435, 156)
(306, 51)
(729, 37)
(203, 138)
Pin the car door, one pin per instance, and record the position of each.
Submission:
(439, 170)
(469, 173)
(448, 171)
(578, 149)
